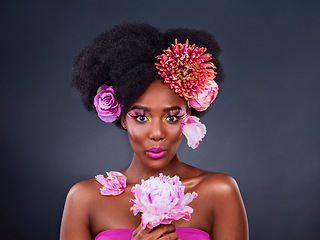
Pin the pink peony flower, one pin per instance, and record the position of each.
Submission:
(193, 129)
(107, 107)
(161, 200)
(114, 184)
(204, 99)
(187, 69)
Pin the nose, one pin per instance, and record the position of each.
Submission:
(157, 131)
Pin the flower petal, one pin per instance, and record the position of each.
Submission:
(193, 129)
(113, 184)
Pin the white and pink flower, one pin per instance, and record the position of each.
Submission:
(193, 129)
(107, 107)
(160, 200)
(114, 184)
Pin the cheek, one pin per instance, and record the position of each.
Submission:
(136, 132)
(175, 133)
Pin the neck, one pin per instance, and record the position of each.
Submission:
(137, 170)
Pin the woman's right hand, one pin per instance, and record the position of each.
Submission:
(163, 231)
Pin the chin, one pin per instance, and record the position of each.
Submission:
(160, 163)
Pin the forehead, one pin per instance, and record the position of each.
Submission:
(159, 95)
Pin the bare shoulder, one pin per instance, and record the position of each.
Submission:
(219, 185)
(75, 220)
(210, 182)
(222, 194)
(83, 192)
(220, 181)
(84, 186)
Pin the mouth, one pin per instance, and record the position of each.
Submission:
(156, 153)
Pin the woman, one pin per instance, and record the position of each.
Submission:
(153, 94)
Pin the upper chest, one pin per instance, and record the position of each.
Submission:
(113, 212)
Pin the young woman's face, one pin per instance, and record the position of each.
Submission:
(154, 125)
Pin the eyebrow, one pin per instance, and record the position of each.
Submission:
(172, 108)
(140, 107)
(148, 109)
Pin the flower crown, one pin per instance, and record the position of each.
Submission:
(189, 73)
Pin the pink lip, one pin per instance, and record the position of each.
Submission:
(156, 153)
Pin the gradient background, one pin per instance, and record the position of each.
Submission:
(263, 128)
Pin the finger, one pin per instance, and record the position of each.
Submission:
(163, 229)
(170, 236)
(140, 231)
(135, 232)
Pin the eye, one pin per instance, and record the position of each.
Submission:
(172, 118)
(141, 118)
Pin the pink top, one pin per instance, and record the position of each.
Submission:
(126, 234)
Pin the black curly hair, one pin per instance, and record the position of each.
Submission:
(124, 57)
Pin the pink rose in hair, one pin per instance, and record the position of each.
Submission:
(204, 99)
(161, 200)
(107, 107)
(193, 129)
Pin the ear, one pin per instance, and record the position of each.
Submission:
(123, 122)
(189, 111)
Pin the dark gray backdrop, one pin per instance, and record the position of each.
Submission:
(263, 128)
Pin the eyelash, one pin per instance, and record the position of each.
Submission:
(175, 113)
(137, 113)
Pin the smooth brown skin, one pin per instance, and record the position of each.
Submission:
(218, 209)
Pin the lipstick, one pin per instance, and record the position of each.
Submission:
(156, 153)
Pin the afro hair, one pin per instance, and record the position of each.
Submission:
(124, 57)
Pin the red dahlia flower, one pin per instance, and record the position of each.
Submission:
(186, 69)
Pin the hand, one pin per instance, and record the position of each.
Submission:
(163, 232)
